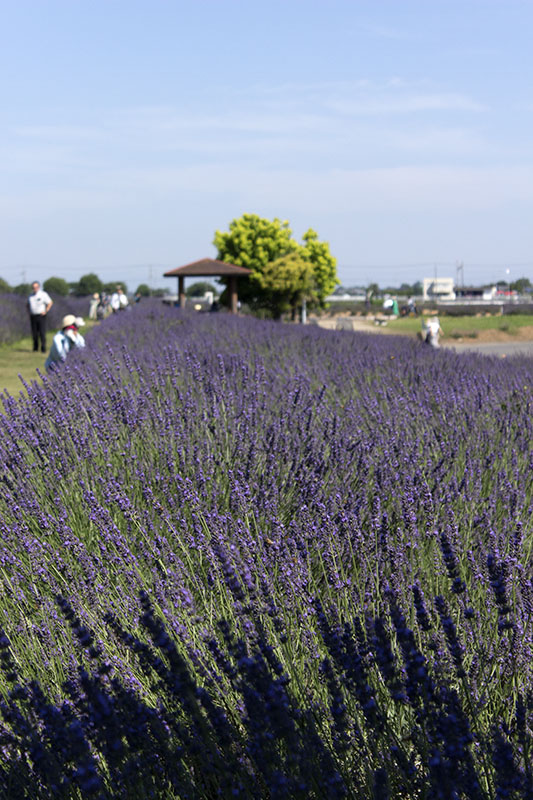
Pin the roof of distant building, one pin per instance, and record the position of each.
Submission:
(207, 267)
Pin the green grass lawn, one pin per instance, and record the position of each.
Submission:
(464, 326)
(19, 358)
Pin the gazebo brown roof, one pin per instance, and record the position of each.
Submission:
(206, 268)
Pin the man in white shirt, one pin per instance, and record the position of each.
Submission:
(39, 304)
(119, 301)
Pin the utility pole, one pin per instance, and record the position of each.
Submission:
(459, 275)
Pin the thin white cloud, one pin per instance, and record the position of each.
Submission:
(386, 32)
(68, 133)
(239, 139)
(381, 190)
(404, 104)
(392, 95)
(446, 142)
(265, 128)
(270, 122)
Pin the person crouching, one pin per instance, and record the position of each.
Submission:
(65, 340)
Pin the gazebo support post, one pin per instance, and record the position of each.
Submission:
(209, 267)
(233, 294)
(181, 290)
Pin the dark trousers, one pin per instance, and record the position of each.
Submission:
(38, 331)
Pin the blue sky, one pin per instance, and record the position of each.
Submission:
(400, 130)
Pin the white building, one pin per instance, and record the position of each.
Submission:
(438, 289)
(346, 296)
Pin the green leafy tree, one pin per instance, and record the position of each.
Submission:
(199, 288)
(111, 286)
(5, 288)
(56, 286)
(286, 281)
(88, 284)
(521, 285)
(407, 289)
(324, 266)
(23, 288)
(255, 242)
(144, 290)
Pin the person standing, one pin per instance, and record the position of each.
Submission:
(95, 302)
(39, 304)
(431, 330)
(119, 301)
(388, 304)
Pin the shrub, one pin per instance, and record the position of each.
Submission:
(329, 534)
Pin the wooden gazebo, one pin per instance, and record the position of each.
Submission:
(209, 268)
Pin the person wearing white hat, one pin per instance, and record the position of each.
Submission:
(93, 306)
(431, 331)
(64, 340)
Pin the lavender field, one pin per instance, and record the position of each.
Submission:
(246, 559)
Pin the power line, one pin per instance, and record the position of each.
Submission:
(432, 264)
(397, 266)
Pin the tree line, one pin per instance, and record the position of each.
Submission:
(284, 273)
(87, 285)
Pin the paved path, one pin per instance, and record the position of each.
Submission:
(501, 349)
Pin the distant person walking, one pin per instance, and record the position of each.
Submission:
(103, 309)
(39, 304)
(390, 306)
(65, 340)
(388, 303)
(431, 331)
(95, 301)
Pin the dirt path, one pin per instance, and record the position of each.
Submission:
(522, 334)
(493, 335)
(501, 349)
